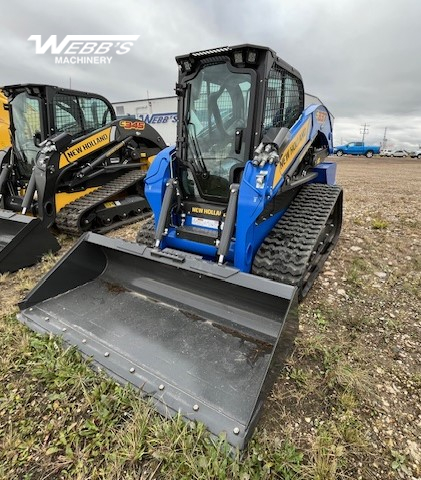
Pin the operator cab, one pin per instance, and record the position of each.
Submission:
(39, 111)
(217, 114)
(36, 113)
(228, 99)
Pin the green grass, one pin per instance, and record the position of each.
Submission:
(336, 442)
(342, 386)
(379, 224)
(338, 373)
(321, 319)
(356, 271)
(61, 419)
(399, 462)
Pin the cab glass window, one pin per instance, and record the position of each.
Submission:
(27, 121)
(79, 115)
(284, 99)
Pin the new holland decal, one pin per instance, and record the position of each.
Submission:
(86, 146)
(207, 211)
(294, 147)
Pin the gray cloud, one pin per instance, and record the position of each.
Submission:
(359, 57)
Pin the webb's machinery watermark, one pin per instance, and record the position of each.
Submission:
(84, 49)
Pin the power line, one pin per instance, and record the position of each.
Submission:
(364, 130)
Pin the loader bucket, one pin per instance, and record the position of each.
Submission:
(23, 241)
(202, 340)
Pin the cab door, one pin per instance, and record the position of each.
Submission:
(352, 149)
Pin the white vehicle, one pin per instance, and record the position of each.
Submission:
(385, 152)
(415, 154)
(399, 153)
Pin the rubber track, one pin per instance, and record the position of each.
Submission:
(146, 234)
(69, 217)
(292, 250)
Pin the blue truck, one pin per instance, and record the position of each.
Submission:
(356, 148)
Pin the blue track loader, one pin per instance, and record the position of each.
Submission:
(201, 312)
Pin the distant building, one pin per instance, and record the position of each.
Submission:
(161, 113)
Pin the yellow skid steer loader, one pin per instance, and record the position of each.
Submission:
(72, 165)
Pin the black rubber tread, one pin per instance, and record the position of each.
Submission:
(68, 220)
(122, 223)
(300, 242)
(146, 234)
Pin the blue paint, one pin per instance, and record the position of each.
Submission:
(252, 198)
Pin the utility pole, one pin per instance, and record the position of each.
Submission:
(384, 138)
(364, 130)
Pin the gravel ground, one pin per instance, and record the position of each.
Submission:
(358, 352)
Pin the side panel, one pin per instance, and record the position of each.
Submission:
(259, 187)
(156, 179)
(300, 138)
(85, 147)
(254, 195)
(114, 132)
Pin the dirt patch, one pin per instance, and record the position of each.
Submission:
(114, 288)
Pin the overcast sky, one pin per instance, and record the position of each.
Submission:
(361, 57)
